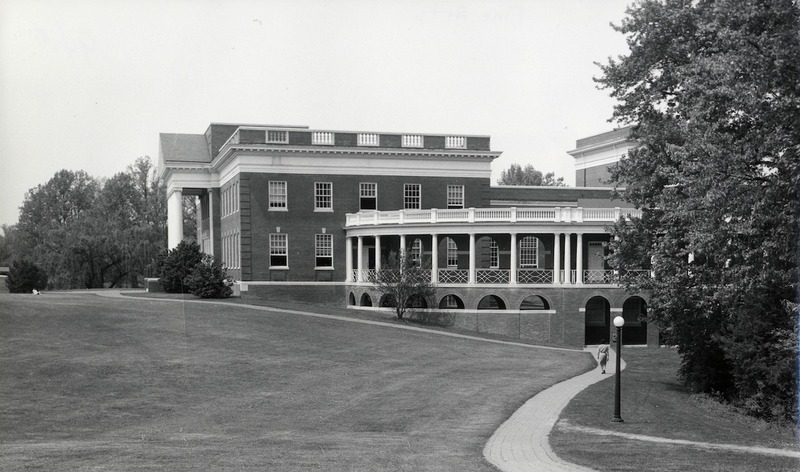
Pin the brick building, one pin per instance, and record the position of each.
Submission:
(296, 213)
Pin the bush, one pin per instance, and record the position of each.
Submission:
(209, 280)
(178, 265)
(25, 277)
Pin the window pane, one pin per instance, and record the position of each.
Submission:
(452, 253)
(528, 252)
(455, 196)
(411, 197)
(323, 250)
(277, 194)
(323, 195)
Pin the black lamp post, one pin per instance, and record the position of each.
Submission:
(619, 322)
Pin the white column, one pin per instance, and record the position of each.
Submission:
(211, 234)
(377, 253)
(348, 258)
(175, 218)
(579, 259)
(435, 258)
(360, 259)
(472, 258)
(557, 258)
(514, 263)
(568, 258)
(403, 244)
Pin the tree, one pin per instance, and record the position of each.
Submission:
(403, 281)
(516, 175)
(712, 89)
(178, 265)
(209, 280)
(24, 276)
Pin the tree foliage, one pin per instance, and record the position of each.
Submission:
(712, 89)
(88, 233)
(517, 175)
(24, 276)
(209, 280)
(178, 265)
(402, 281)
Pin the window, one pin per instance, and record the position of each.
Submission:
(529, 252)
(416, 252)
(278, 250)
(452, 253)
(411, 197)
(368, 195)
(277, 195)
(323, 196)
(323, 250)
(494, 255)
(455, 196)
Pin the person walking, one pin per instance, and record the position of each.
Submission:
(602, 355)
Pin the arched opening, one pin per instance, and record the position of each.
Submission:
(534, 302)
(491, 302)
(387, 301)
(598, 320)
(634, 310)
(451, 302)
(365, 300)
(351, 299)
(416, 301)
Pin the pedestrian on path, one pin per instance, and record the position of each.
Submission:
(602, 355)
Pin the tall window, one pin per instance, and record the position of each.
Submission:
(277, 195)
(455, 196)
(323, 250)
(416, 252)
(452, 253)
(323, 196)
(529, 252)
(368, 195)
(411, 197)
(494, 255)
(278, 250)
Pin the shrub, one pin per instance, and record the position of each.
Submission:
(209, 280)
(25, 276)
(178, 265)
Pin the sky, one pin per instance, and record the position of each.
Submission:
(90, 84)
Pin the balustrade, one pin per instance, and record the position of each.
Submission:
(492, 276)
(535, 276)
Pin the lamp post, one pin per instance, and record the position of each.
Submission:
(619, 322)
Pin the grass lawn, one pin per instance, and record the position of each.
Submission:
(655, 404)
(131, 384)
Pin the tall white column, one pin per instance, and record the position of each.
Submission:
(348, 258)
(211, 234)
(514, 263)
(568, 258)
(557, 258)
(377, 253)
(472, 266)
(403, 244)
(579, 259)
(175, 218)
(435, 258)
(360, 259)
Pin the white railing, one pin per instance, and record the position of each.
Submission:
(455, 142)
(368, 139)
(599, 276)
(492, 276)
(535, 276)
(276, 136)
(478, 215)
(453, 276)
(322, 137)
(412, 140)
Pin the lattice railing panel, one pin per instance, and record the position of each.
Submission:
(535, 276)
(492, 276)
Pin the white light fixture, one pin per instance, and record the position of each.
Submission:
(619, 322)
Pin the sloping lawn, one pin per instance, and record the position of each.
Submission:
(654, 403)
(131, 384)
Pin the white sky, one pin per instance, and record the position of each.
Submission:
(89, 84)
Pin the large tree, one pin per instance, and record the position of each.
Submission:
(712, 89)
(403, 280)
(528, 175)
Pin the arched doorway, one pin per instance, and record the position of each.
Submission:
(451, 302)
(351, 299)
(598, 320)
(634, 310)
(366, 300)
(491, 302)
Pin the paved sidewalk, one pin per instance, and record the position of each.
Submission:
(521, 443)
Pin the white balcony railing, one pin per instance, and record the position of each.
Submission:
(496, 215)
(492, 276)
(535, 276)
(322, 137)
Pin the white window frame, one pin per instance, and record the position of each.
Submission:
(320, 196)
(367, 190)
(417, 249)
(278, 247)
(529, 252)
(452, 253)
(455, 196)
(278, 192)
(494, 254)
(323, 248)
(412, 193)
